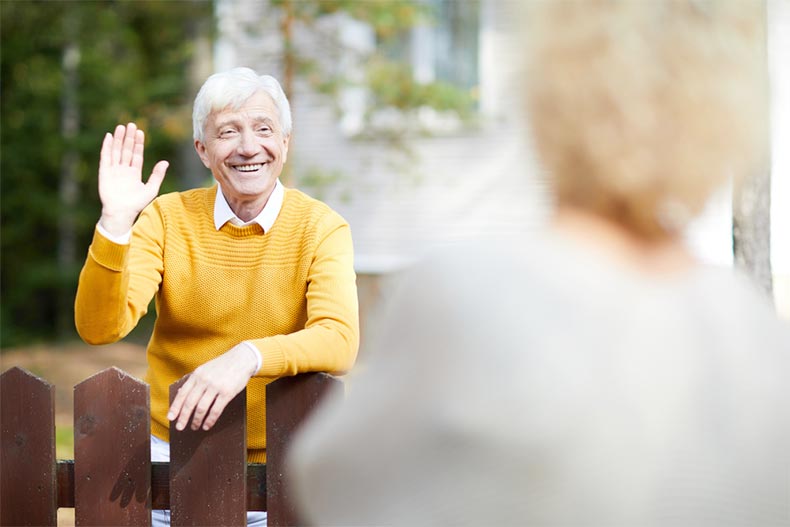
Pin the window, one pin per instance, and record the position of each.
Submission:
(446, 49)
(423, 79)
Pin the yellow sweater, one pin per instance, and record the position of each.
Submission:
(291, 291)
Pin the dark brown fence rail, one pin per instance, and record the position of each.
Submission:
(112, 480)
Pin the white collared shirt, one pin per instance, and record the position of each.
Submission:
(223, 213)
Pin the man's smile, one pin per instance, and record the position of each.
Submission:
(248, 168)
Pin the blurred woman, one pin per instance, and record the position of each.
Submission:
(595, 374)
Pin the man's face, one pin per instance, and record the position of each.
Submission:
(245, 148)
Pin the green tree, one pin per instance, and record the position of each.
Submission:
(70, 71)
(389, 81)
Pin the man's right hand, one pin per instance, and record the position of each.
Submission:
(121, 189)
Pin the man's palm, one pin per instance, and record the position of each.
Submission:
(121, 189)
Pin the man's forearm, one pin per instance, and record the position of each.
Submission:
(332, 349)
(99, 291)
(104, 310)
(330, 339)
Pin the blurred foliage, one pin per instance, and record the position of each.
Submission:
(320, 180)
(392, 84)
(388, 18)
(131, 63)
(382, 74)
(388, 76)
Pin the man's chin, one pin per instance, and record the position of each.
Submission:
(250, 189)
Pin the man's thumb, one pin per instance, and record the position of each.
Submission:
(158, 175)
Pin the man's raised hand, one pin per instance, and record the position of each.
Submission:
(121, 189)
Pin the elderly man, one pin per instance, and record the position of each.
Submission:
(253, 281)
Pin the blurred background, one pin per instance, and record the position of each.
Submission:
(408, 120)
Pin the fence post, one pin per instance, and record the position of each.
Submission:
(208, 469)
(289, 401)
(27, 450)
(112, 455)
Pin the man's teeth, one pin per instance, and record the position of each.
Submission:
(248, 168)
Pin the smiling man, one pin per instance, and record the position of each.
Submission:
(252, 281)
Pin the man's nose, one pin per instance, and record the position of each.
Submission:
(248, 146)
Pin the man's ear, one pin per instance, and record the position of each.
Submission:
(286, 141)
(201, 152)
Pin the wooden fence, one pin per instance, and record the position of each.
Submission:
(112, 481)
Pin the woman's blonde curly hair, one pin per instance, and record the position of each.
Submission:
(641, 108)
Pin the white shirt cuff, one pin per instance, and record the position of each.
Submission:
(258, 357)
(120, 240)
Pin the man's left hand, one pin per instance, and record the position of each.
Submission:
(210, 388)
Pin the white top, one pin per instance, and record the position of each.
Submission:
(535, 384)
(265, 218)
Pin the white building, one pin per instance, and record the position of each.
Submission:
(464, 180)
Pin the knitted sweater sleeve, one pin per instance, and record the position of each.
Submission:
(117, 282)
(330, 338)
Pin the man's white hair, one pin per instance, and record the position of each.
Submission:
(232, 88)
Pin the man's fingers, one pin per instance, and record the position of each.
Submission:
(117, 144)
(139, 146)
(213, 385)
(179, 399)
(175, 408)
(202, 408)
(105, 157)
(191, 401)
(216, 410)
(128, 144)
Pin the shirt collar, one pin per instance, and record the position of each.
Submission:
(224, 214)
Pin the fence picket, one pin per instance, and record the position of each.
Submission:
(289, 401)
(112, 469)
(27, 450)
(208, 469)
(112, 480)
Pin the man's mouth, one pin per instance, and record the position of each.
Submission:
(248, 168)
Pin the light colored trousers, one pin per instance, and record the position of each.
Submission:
(160, 451)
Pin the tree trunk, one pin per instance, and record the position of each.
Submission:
(192, 173)
(751, 209)
(68, 190)
(289, 70)
(751, 229)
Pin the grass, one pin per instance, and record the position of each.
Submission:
(65, 366)
(64, 442)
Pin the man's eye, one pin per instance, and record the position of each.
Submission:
(264, 129)
(226, 133)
